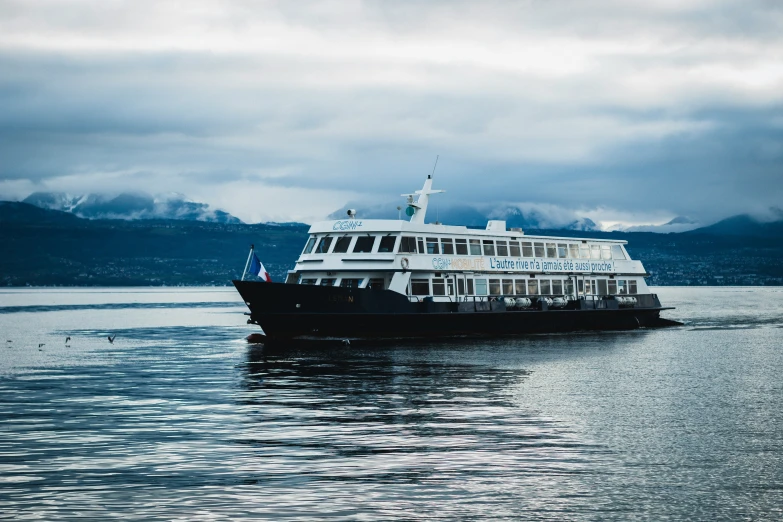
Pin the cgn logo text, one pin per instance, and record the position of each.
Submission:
(349, 224)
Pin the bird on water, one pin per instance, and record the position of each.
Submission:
(111, 339)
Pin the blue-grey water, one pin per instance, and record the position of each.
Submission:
(180, 419)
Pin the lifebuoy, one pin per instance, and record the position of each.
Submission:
(404, 263)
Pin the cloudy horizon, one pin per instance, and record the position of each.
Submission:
(628, 113)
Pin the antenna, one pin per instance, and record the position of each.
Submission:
(437, 206)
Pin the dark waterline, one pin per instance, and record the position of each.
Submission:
(180, 419)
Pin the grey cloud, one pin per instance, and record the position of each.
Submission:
(589, 134)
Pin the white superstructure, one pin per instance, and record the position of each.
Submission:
(450, 263)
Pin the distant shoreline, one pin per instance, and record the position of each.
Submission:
(43, 287)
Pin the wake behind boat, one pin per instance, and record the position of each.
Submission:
(372, 278)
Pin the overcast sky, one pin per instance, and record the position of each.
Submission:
(624, 111)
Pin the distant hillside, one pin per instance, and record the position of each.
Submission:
(48, 247)
(743, 225)
(127, 205)
(678, 224)
(14, 212)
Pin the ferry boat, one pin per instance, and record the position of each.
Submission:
(374, 278)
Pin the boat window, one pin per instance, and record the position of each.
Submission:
(527, 249)
(494, 287)
(532, 287)
(323, 245)
(462, 286)
(602, 287)
(595, 251)
(573, 251)
(489, 247)
(632, 287)
(508, 287)
(580, 287)
(546, 288)
(502, 248)
(376, 283)
(309, 246)
(363, 244)
(481, 287)
(462, 246)
(327, 282)
(432, 245)
(341, 245)
(307, 281)
(551, 250)
(569, 287)
(621, 287)
(387, 244)
(350, 283)
(606, 252)
(447, 246)
(612, 287)
(420, 287)
(562, 250)
(557, 287)
(513, 248)
(584, 251)
(520, 287)
(475, 247)
(438, 286)
(539, 249)
(617, 252)
(420, 242)
(589, 287)
(408, 245)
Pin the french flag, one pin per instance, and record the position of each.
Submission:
(257, 269)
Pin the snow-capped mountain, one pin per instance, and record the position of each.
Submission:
(130, 205)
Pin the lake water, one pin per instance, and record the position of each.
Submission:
(180, 419)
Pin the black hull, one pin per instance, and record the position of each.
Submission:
(295, 311)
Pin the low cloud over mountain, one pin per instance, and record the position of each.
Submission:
(678, 224)
(137, 205)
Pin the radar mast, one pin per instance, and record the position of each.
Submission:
(417, 210)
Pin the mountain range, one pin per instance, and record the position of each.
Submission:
(130, 205)
(140, 206)
(678, 224)
(51, 247)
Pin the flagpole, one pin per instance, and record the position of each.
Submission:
(249, 255)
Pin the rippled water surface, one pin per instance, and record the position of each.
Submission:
(179, 418)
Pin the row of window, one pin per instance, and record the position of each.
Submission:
(521, 286)
(343, 243)
(491, 286)
(461, 246)
(375, 283)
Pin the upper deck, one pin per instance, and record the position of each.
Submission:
(389, 245)
(383, 226)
